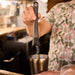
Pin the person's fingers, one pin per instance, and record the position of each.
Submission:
(25, 20)
(39, 15)
(28, 15)
(23, 16)
(31, 10)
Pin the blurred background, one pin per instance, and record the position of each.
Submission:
(11, 10)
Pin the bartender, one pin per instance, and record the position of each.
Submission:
(60, 22)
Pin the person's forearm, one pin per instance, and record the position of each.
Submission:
(56, 72)
(43, 28)
(29, 29)
(49, 73)
(29, 17)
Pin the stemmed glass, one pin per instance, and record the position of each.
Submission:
(68, 53)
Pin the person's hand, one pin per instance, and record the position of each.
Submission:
(28, 15)
(49, 73)
(69, 71)
(46, 73)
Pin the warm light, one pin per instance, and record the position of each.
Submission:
(45, 1)
(13, 25)
(4, 3)
(2, 0)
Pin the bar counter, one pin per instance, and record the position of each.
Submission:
(4, 72)
(4, 31)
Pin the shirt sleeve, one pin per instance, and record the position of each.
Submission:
(50, 15)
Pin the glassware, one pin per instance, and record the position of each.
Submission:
(38, 65)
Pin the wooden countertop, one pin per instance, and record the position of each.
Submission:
(4, 31)
(4, 72)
